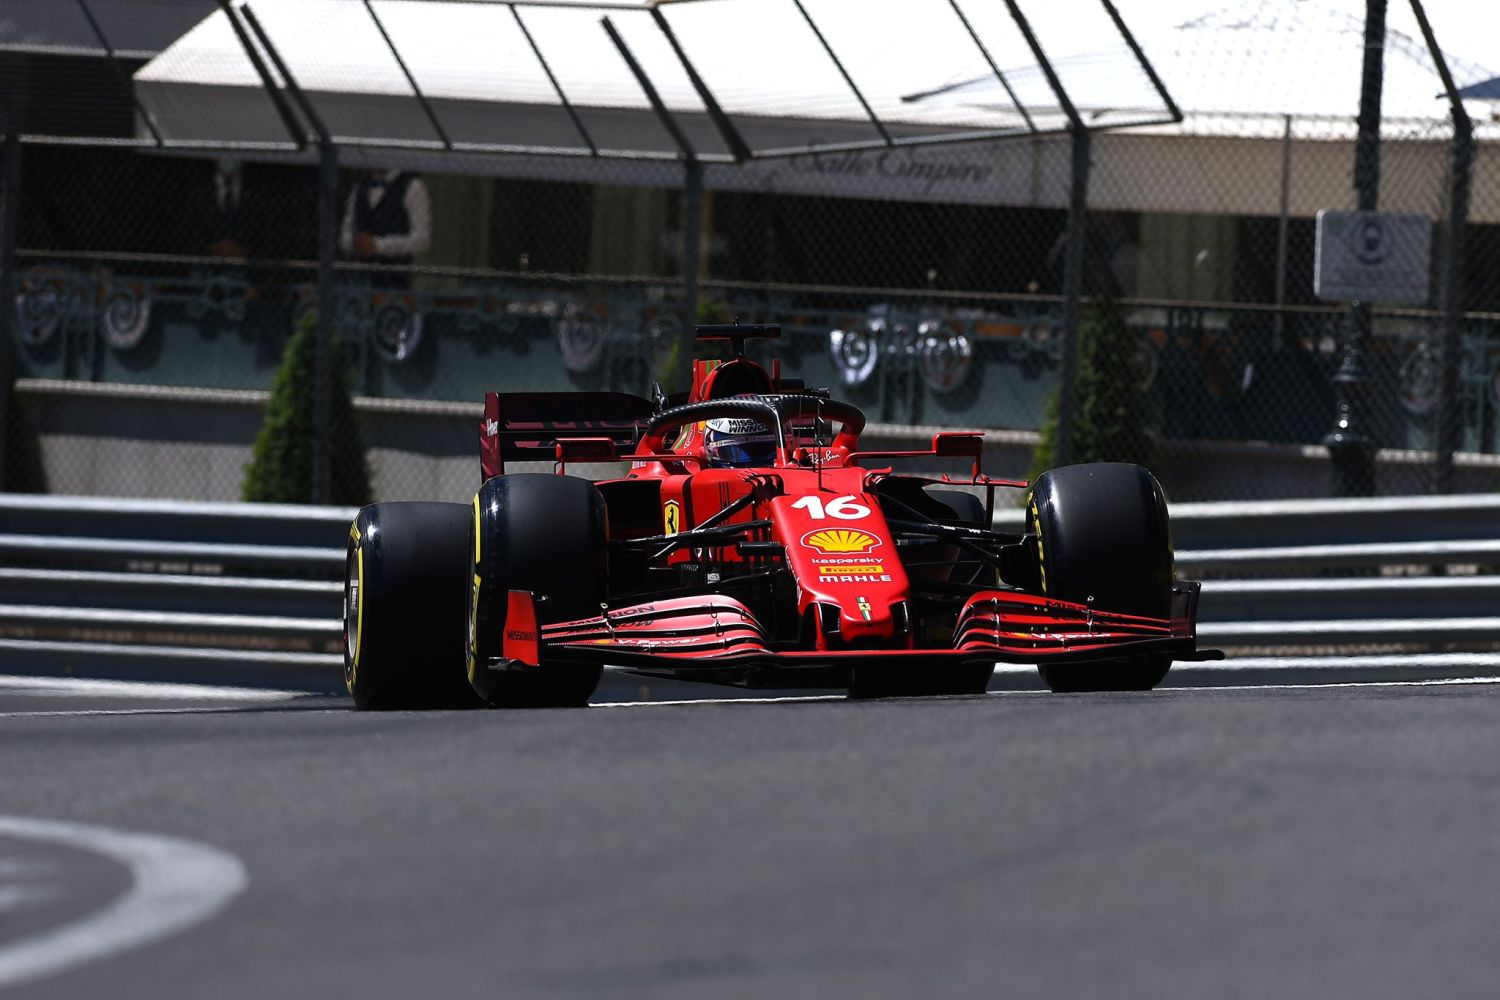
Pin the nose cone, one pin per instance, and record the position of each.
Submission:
(860, 618)
(843, 555)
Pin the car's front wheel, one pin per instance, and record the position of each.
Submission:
(547, 535)
(1102, 537)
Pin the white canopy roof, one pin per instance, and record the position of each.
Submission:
(1236, 71)
(485, 68)
(1240, 70)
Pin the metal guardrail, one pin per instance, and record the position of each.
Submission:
(242, 592)
(64, 548)
(218, 524)
(233, 629)
(1374, 521)
(1291, 525)
(1306, 558)
(1321, 600)
(254, 590)
(172, 592)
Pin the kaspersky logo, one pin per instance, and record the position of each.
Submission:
(838, 541)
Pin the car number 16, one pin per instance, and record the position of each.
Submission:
(844, 508)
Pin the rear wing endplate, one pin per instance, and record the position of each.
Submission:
(520, 426)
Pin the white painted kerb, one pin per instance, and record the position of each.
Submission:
(174, 884)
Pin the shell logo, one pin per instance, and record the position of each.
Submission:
(840, 540)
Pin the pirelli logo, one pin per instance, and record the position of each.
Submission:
(865, 568)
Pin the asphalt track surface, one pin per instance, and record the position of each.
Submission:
(1253, 842)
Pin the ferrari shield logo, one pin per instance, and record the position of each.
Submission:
(864, 608)
(671, 517)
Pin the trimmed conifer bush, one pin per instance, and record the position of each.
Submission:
(280, 469)
(1113, 410)
(23, 471)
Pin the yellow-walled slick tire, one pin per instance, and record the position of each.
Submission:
(1102, 534)
(404, 594)
(545, 534)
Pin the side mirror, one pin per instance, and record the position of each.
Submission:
(947, 444)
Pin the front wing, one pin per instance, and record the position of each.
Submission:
(716, 639)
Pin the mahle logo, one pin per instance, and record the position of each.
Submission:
(840, 540)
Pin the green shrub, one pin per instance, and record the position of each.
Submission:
(1113, 412)
(23, 471)
(281, 464)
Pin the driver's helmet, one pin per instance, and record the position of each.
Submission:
(736, 442)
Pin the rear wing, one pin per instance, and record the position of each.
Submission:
(520, 426)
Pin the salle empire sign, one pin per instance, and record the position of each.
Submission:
(891, 164)
(891, 174)
(968, 174)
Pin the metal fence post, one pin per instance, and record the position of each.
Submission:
(1282, 222)
(1078, 201)
(692, 222)
(692, 210)
(1350, 449)
(1460, 169)
(328, 228)
(10, 210)
(1461, 162)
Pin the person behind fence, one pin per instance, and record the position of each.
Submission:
(387, 220)
(225, 219)
(224, 224)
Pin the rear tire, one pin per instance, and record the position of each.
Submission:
(403, 606)
(1102, 534)
(546, 534)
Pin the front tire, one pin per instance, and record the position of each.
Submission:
(546, 534)
(1102, 535)
(403, 606)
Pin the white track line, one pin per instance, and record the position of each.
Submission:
(72, 687)
(65, 713)
(1168, 690)
(1362, 661)
(174, 884)
(1432, 682)
(716, 701)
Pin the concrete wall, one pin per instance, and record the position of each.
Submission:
(143, 441)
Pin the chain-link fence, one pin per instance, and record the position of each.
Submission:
(156, 285)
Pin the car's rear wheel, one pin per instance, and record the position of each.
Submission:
(546, 534)
(1102, 536)
(915, 678)
(403, 605)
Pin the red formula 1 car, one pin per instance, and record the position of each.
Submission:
(749, 541)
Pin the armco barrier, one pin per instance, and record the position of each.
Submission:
(125, 587)
(253, 591)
